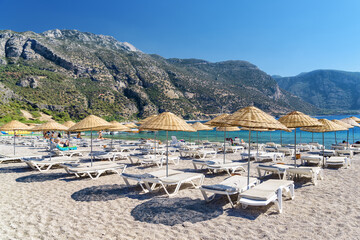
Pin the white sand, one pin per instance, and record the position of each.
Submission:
(55, 205)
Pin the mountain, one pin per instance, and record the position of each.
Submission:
(68, 73)
(327, 89)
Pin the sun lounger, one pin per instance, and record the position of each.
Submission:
(344, 153)
(176, 179)
(279, 169)
(20, 158)
(68, 153)
(204, 153)
(274, 156)
(204, 163)
(158, 160)
(266, 193)
(337, 162)
(314, 173)
(44, 165)
(229, 167)
(286, 151)
(139, 177)
(311, 159)
(230, 186)
(327, 153)
(95, 170)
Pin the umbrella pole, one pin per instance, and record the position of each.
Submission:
(167, 154)
(91, 148)
(323, 150)
(335, 138)
(248, 175)
(155, 141)
(353, 135)
(300, 136)
(257, 142)
(270, 136)
(111, 140)
(347, 140)
(224, 144)
(280, 138)
(295, 148)
(14, 141)
(198, 138)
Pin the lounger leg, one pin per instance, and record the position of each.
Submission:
(207, 199)
(278, 201)
(195, 167)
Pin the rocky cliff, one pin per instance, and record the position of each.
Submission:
(81, 73)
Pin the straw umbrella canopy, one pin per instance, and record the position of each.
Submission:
(146, 119)
(50, 126)
(327, 126)
(13, 126)
(116, 126)
(356, 119)
(352, 122)
(215, 122)
(131, 125)
(198, 126)
(69, 124)
(252, 118)
(298, 119)
(348, 126)
(91, 123)
(167, 121)
(228, 129)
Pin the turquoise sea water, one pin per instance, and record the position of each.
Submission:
(263, 137)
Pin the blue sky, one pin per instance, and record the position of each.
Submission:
(282, 37)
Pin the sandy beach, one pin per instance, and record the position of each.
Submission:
(55, 205)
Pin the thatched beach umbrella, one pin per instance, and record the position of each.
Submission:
(327, 126)
(131, 125)
(50, 126)
(353, 123)
(348, 126)
(356, 119)
(146, 119)
(69, 124)
(14, 125)
(252, 118)
(167, 121)
(226, 129)
(198, 126)
(116, 126)
(91, 123)
(297, 119)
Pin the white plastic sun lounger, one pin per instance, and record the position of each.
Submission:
(20, 158)
(45, 164)
(95, 170)
(270, 155)
(344, 153)
(314, 173)
(229, 167)
(230, 186)
(311, 159)
(139, 178)
(338, 162)
(279, 169)
(267, 192)
(176, 179)
(204, 153)
(68, 153)
(159, 160)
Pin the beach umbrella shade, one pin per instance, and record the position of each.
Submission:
(146, 119)
(198, 126)
(50, 126)
(226, 129)
(14, 125)
(327, 126)
(353, 123)
(116, 126)
(167, 121)
(91, 123)
(131, 125)
(69, 124)
(348, 126)
(356, 119)
(252, 118)
(298, 119)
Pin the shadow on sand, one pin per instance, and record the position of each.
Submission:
(41, 177)
(20, 169)
(172, 211)
(101, 193)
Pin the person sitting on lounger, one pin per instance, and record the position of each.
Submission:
(78, 136)
(66, 143)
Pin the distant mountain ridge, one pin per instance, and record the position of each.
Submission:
(326, 89)
(80, 73)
